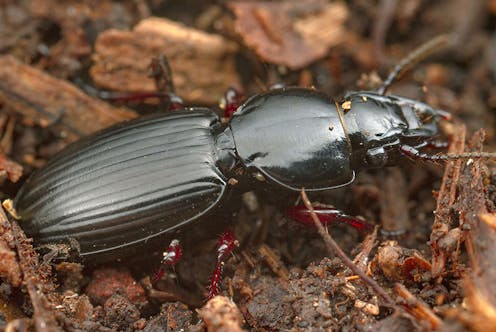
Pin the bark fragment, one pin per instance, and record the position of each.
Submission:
(46, 100)
(202, 64)
(293, 34)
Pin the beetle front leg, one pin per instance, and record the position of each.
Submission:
(161, 73)
(415, 153)
(233, 98)
(430, 144)
(327, 215)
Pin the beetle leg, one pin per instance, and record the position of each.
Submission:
(327, 215)
(161, 72)
(232, 100)
(174, 101)
(171, 257)
(58, 117)
(430, 144)
(412, 152)
(227, 243)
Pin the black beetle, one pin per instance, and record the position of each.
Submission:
(149, 178)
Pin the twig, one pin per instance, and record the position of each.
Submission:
(361, 259)
(35, 280)
(418, 308)
(479, 310)
(333, 247)
(446, 199)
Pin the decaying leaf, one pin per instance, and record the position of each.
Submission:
(293, 34)
(203, 64)
(47, 100)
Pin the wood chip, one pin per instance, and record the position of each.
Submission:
(368, 308)
(9, 266)
(47, 100)
(12, 169)
(35, 276)
(418, 308)
(221, 314)
(203, 65)
(446, 199)
(293, 34)
(480, 285)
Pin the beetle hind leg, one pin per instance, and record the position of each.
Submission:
(327, 215)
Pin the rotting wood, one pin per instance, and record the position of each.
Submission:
(480, 241)
(445, 201)
(221, 314)
(10, 168)
(203, 64)
(9, 266)
(47, 100)
(34, 278)
(421, 311)
(279, 31)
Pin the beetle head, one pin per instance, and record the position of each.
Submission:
(378, 125)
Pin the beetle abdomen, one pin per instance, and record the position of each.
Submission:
(126, 184)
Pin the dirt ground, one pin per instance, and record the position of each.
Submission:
(68, 68)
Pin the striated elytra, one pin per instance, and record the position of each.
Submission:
(147, 179)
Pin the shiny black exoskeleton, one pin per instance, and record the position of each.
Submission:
(150, 178)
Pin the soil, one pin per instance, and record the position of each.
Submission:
(69, 68)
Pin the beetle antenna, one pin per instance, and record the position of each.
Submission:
(417, 55)
(412, 152)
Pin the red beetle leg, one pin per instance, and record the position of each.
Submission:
(232, 100)
(227, 243)
(327, 215)
(171, 257)
(430, 144)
